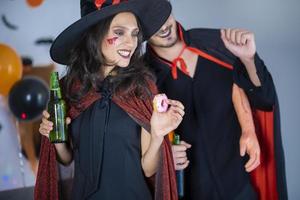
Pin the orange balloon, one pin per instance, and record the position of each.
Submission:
(10, 68)
(34, 3)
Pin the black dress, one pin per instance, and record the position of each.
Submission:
(107, 154)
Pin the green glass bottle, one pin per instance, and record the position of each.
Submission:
(57, 111)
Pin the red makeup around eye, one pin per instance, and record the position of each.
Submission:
(112, 40)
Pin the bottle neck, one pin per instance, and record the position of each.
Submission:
(55, 93)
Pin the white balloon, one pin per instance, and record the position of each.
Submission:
(15, 171)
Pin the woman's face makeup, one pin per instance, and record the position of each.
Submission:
(121, 40)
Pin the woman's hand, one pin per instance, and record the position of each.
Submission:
(161, 124)
(63, 150)
(46, 126)
(164, 122)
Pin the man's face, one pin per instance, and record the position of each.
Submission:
(166, 36)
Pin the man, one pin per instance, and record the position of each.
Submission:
(198, 67)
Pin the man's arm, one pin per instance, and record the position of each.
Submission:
(250, 73)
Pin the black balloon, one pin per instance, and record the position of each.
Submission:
(28, 98)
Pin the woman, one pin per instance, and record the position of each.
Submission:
(109, 94)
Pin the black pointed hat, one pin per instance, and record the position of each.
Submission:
(151, 13)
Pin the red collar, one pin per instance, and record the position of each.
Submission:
(182, 64)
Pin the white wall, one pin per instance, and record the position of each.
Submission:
(44, 21)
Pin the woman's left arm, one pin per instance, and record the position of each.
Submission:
(161, 125)
(150, 152)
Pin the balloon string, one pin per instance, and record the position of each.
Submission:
(21, 160)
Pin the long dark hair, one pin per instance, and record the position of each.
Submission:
(87, 59)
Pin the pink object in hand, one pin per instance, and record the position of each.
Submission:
(160, 103)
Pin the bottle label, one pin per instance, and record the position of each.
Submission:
(58, 117)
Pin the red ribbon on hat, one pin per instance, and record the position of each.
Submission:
(99, 3)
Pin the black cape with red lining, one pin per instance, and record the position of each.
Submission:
(211, 125)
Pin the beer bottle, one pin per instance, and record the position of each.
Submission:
(57, 111)
(179, 173)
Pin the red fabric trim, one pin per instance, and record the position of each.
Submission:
(99, 3)
(211, 58)
(264, 176)
(115, 2)
(203, 54)
(183, 66)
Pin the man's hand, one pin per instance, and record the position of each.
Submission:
(240, 42)
(249, 144)
(179, 155)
